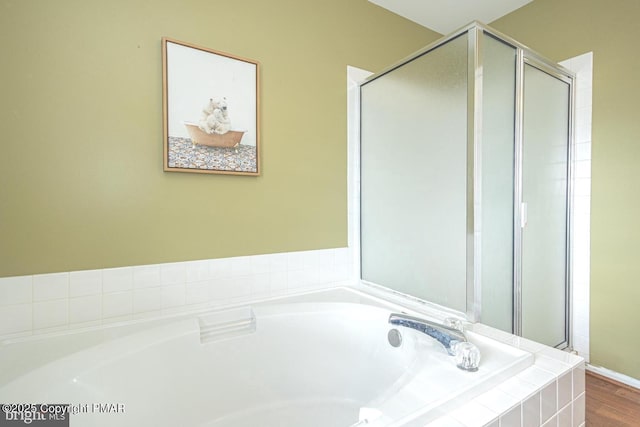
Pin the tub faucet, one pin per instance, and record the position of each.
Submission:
(454, 340)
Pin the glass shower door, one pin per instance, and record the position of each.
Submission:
(545, 191)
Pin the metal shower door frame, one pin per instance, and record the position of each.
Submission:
(524, 55)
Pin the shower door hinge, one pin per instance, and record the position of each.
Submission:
(523, 215)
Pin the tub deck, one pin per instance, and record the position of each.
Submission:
(315, 360)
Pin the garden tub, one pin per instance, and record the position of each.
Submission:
(299, 364)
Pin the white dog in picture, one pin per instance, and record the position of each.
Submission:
(215, 117)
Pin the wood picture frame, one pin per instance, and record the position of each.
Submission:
(210, 109)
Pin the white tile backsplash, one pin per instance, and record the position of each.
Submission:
(473, 414)
(538, 377)
(581, 342)
(278, 263)
(117, 304)
(297, 278)
(565, 389)
(50, 286)
(578, 381)
(555, 379)
(565, 416)
(518, 387)
(148, 299)
(582, 206)
(295, 261)
(583, 131)
(583, 151)
(16, 290)
(147, 290)
(240, 266)
(260, 264)
(583, 67)
(49, 314)
(197, 271)
(174, 296)
(146, 276)
(448, 421)
(513, 418)
(173, 273)
(240, 287)
(197, 292)
(498, 401)
(117, 279)
(553, 422)
(583, 169)
(219, 268)
(15, 318)
(554, 365)
(85, 309)
(278, 282)
(531, 411)
(259, 284)
(582, 187)
(88, 282)
(326, 259)
(549, 401)
(310, 260)
(584, 95)
(579, 410)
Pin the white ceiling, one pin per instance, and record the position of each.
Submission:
(445, 16)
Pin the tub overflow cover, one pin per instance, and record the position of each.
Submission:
(395, 338)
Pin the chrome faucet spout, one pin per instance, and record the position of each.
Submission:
(466, 354)
(445, 335)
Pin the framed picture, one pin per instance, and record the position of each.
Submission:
(210, 111)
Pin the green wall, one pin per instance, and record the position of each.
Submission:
(81, 180)
(561, 29)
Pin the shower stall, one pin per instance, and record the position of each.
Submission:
(466, 177)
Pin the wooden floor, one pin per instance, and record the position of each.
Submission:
(611, 404)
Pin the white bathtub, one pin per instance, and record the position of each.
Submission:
(306, 364)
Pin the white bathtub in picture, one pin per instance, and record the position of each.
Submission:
(321, 360)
